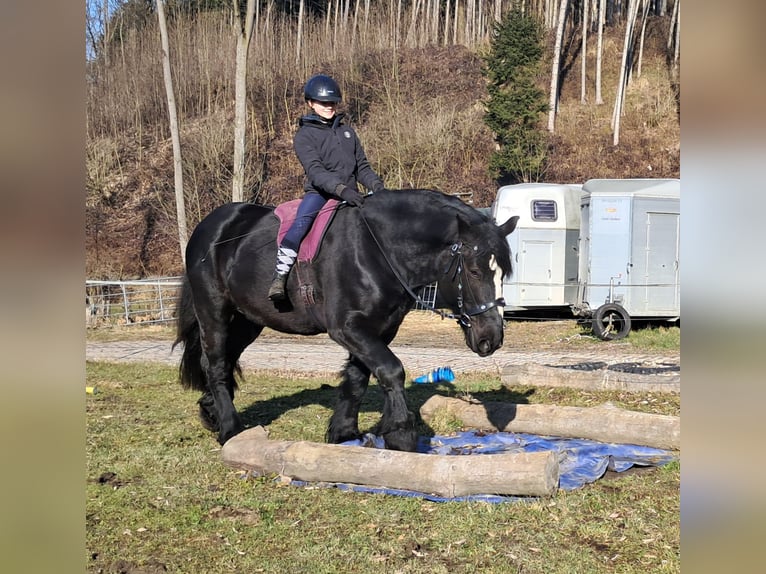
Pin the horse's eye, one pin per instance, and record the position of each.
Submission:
(475, 273)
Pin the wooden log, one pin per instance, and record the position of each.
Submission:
(605, 423)
(534, 375)
(522, 474)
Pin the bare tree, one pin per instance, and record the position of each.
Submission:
(469, 22)
(599, 51)
(244, 34)
(584, 51)
(556, 71)
(644, 19)
(445, 40)
(673, 23)
(299, 39)
(624, 68)
(677, 50)
(411, 40)
(174, 132)
(107, 26)
(454, 22)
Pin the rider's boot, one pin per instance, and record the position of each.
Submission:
(285, 261)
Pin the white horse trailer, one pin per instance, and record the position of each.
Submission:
(605, 251)
(629, 253)
(544, 244)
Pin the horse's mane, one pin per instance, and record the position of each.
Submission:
(493, 240)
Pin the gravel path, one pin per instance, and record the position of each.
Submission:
(325, 356)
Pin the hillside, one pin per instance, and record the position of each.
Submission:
(435, 112)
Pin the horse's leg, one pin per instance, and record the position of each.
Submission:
(223, 336)
(241, 333)
(397, 425)
(344, 424)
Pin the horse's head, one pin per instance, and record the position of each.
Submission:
(473, 287)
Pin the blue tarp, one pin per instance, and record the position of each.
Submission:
(581, 461)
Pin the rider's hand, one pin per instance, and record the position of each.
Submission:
(352, 197)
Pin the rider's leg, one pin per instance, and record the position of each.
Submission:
(288, 249)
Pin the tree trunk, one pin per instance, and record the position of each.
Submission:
(445, 40)
(299, 39)
(244, 34)
(624, 66)
(584, 51)
(410, 39)
(673, 24)
(677, 51)
(605, 423)
(355, 25)
(632, 21)
(520, 473)
(599, 51)
(468, 28)
(454, 22)
(644, 19)
(105, 38)
(556, 71)
(174, 132)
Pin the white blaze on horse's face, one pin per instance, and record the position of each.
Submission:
(493, 266)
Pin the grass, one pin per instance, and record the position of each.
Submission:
(159, 499)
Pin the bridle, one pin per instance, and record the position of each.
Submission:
(463, 317)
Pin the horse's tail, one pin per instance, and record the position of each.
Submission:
(190, 373)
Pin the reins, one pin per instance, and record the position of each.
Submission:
(464, 315)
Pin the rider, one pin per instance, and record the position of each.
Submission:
(334, 161)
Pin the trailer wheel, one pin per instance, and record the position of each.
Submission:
(611, 322)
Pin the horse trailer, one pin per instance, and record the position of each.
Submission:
(629, 253)
(544, 244)
(607, 251)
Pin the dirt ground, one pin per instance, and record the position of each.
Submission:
(423, 329)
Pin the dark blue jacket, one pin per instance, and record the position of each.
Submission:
(332, 156)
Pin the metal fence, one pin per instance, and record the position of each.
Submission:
(428, 296)
(150, 301)
(143, 301)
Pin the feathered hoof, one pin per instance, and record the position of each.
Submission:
(223, 436)
(405, 439)
(207, 415)
(337, 435)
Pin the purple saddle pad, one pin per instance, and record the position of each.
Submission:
(310, 244)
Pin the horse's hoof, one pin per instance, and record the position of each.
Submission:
(207, 413)
(224, 436)
(334, 436)
(402, 439)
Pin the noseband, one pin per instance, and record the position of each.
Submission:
(464, 315)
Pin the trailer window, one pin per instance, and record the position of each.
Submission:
(544, 210)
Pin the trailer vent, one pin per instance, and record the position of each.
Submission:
(544, 210)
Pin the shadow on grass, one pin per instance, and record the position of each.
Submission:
(265, 412)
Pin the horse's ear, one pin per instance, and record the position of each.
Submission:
(508, 227)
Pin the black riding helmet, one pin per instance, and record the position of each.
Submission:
(322, 88)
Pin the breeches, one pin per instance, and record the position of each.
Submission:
(307, 212)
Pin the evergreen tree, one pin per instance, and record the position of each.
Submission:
(516, 103)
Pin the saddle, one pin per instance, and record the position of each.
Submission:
(309, 247)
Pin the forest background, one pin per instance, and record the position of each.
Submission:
(415, 88)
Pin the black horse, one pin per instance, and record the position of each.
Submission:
(358, 289)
